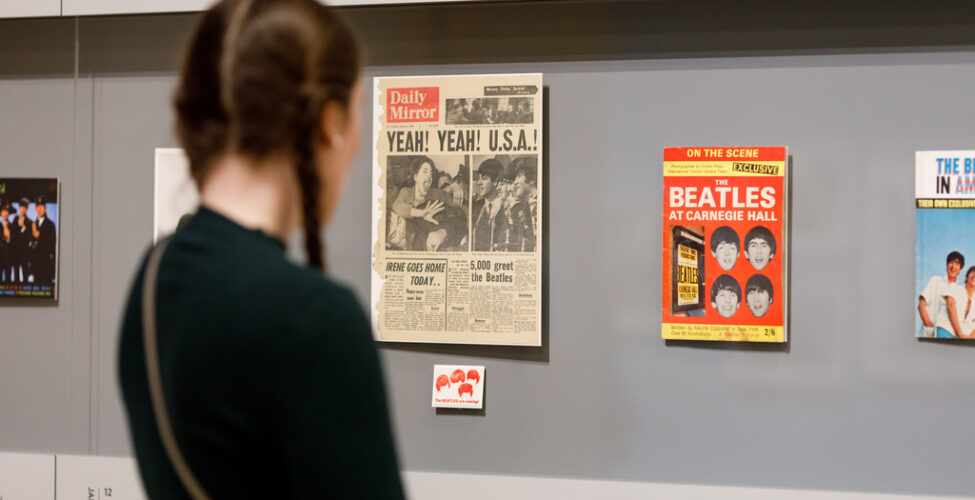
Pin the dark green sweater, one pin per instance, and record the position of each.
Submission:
(270, 374)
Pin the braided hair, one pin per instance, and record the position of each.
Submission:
(255, 79)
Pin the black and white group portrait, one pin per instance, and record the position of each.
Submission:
(504, 210)
(457, 203)
(28, 237)
(490, 110)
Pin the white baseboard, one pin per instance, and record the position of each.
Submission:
(444, 486)
(26, 476)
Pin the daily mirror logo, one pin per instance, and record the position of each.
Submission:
(416, 104)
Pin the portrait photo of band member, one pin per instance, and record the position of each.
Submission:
(725, 247)
(490, 110)
(726, 295)
(28, 236)
(44, 256)
(18, 236)
(759, 247)
(7, 237)
(943, 302)
(427, 203)
(505, 207)
(758, 294)
(968, 322)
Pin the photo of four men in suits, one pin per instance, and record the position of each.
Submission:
(28, 237)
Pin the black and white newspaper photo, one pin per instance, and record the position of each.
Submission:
(457, 190)
(428, 203)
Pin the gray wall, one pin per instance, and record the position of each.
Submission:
(853, 402)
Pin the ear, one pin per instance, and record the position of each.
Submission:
(333, 123)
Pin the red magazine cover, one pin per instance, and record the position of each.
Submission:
(725, 244)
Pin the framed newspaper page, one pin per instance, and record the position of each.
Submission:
(457, 209)
(725, 250)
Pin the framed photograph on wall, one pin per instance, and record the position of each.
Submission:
(29, 241)
(944, 283)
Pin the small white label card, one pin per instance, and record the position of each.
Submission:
(458, 386)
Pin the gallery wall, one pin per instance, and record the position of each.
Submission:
(853, 402)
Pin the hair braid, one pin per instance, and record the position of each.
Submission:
(255, 81)
(309, 182)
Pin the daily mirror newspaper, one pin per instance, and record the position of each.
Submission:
(457, 209)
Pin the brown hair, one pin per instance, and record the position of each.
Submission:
(255, 79)
(415, 165)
